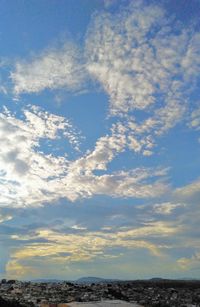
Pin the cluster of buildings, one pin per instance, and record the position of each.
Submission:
(133, 293)
(109, 303)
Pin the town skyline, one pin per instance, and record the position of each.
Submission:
(99, 134)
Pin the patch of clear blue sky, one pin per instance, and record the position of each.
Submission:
(184, 10)
(87, 112)
(33, 25)
(178, 149)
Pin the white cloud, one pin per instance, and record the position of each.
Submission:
(25, 171)
(136, 184)
(191, 61)
(143, 64)
(5, 217)
(109, 3)
(188, 192)
(30, 177)
(140, 182)
(54, 68)
(124, 61)
(166, 208)
(195, 119)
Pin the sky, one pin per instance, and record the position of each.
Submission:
(99, 139)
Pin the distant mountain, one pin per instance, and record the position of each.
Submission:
(95, 280)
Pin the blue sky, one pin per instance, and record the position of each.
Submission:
(99, 130)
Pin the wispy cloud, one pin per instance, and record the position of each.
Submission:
(5, 217)
(53, 69)
(164, 229)
(189, 192)
(189, 263)
(109, 3)
(194, 121)
(166, 208)
(70, 248)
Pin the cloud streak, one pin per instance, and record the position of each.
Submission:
(72, 248)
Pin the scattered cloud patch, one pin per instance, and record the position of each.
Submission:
(189, 263)
(166, 208)
(195, 119)
(5, 217)
(53, 69)
(25, 171)
(143, 64)
(188, 192)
